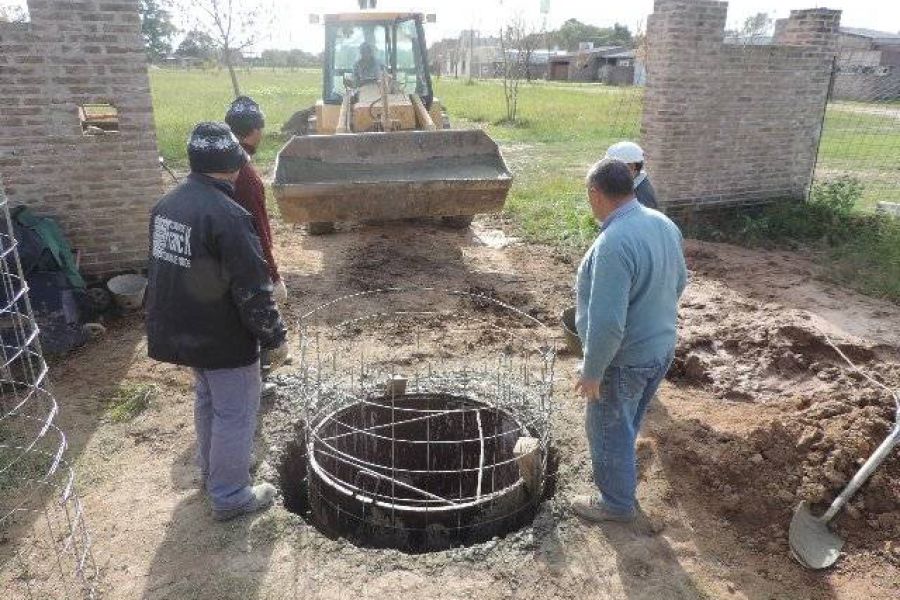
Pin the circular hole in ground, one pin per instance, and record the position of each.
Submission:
(418, 472)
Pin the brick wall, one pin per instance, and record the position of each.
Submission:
(99, 187)
(726, 124)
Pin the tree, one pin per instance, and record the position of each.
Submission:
(157, 28)
(573, 32)
(529, 43)
(292, 59)
(756, 27)
(231, 24)
(13, 14)
(513, 66)
(197, 44)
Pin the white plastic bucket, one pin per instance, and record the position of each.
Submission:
(128, 290)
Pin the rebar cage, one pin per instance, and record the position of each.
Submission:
(427, 416)
(47, 551)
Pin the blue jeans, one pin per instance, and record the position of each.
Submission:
(612, 425)
(225, 419)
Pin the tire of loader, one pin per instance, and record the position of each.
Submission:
(459, 222)
(320, 228)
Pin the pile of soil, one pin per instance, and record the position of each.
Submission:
(832, 419)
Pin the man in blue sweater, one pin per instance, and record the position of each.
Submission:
(629, 284)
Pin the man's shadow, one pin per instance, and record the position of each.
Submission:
(646, 565)
(200, 558)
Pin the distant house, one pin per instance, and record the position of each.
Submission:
(869, 48)
(868, 65)
(612, 65)
(537, 63)
(478, 57)
(182, 62)
(474, 56)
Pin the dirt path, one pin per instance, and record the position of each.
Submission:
(758, 413)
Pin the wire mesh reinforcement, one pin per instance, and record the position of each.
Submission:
(426, 419)
(861, 130)
(45, 550)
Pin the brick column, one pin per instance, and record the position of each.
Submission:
(101, 187)
(731, 124)
(815, 27)
(684, 40)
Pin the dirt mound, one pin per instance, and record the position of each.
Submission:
(756, 481)
(832, 421)
(750, 353)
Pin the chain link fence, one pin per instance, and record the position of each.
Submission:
(861, 129)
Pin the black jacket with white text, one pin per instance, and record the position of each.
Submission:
(209, 298)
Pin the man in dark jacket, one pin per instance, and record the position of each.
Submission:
(247, 121)
(209, 306)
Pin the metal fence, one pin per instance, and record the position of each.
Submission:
(861, 129)
(44, 542)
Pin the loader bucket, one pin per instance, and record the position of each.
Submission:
(382, 176)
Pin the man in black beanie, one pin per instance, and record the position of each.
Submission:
(209, 307)
(247, 121)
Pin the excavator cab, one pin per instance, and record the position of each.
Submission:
(359, 51)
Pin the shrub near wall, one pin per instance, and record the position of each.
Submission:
(858, 249)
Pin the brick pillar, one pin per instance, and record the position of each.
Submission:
(684, 42)
(728, 124)
(815, 27)
(99, 187)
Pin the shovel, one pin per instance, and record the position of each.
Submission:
(165, 167)
(813, 544)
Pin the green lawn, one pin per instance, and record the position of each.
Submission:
(564, 128)
(181, 99)
(863, 140)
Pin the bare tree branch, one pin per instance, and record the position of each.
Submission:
(517, 45)
(234, 26)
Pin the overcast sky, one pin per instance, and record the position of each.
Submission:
(291, 29)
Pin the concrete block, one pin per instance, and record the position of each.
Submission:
(528, 456)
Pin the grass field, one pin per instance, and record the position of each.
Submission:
(863, 140)
(563, 129)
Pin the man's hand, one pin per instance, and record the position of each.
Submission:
(279, 355)
(280, 291)
(589, 389)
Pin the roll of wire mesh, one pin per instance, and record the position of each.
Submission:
(45, 549)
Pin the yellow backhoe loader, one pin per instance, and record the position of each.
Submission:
(378, 144)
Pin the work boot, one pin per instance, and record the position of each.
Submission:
(262, 497)
(591, 508)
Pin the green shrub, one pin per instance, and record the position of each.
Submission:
(858, 249)
(128, 400)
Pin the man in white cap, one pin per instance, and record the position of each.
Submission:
(633, 155)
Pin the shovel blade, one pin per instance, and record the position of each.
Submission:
(813, 545)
